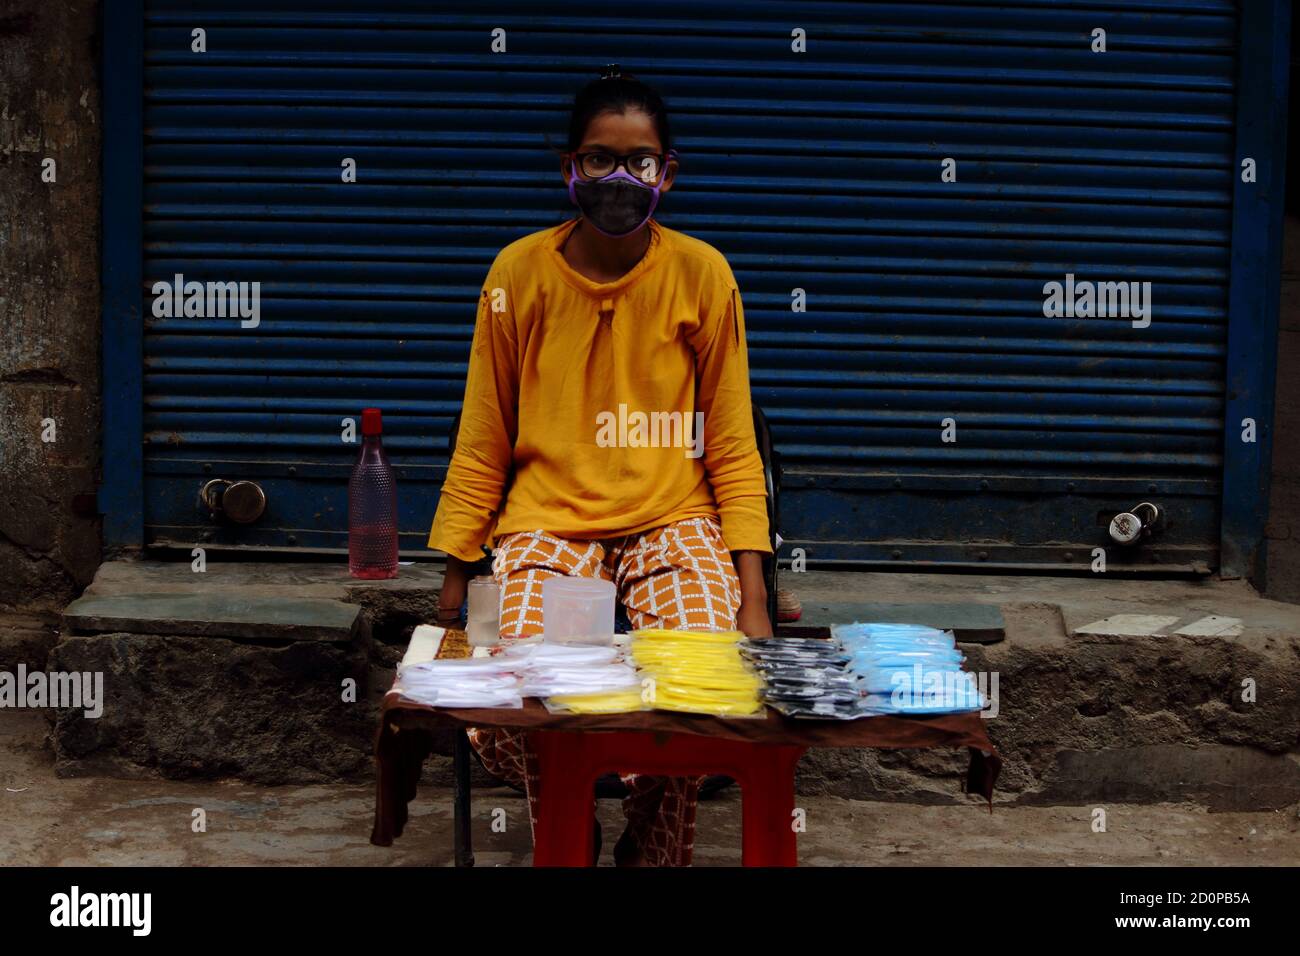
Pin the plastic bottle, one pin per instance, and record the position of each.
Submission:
(372, 505)
(482, 621)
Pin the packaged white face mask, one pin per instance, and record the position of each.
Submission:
(561, 669)
(467, 682)
(573, 654)
(593, 680)
(463, 666)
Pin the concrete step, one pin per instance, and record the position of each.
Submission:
(254, 616)
(26, 639)
(1106, 689)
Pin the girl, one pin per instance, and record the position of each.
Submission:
(603, 348)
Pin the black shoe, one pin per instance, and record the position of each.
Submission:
(610, 787)
(710, 786)
(626, 851)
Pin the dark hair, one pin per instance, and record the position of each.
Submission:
(617, 92)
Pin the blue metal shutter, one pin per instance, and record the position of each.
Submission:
(818, 171)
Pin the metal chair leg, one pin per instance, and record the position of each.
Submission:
(462, 840)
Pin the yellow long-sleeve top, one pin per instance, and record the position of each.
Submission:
(571, 395)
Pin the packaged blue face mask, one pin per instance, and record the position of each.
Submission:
(906, 658)
(886, 680)
(865, 670)
(884, 704)
(908, 669)
(857, 632)
(903, 642)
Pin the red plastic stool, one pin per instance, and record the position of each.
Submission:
(569, 763)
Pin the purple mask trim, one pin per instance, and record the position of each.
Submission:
(621, 173)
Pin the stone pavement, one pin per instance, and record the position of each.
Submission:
(47, 820)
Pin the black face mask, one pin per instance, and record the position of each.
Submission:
(615, 206)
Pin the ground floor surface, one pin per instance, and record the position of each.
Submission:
(46, 820)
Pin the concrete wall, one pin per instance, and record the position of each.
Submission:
(1282, 554)
(49, 299)
(1282, 577)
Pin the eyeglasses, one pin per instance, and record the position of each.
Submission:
(643, 166)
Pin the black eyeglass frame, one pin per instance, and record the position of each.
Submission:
(622, 161)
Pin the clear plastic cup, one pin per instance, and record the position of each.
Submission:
(483, 617)
(578, 611)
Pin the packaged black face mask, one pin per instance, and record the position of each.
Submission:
(806, 677)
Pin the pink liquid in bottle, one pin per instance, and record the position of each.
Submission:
(372, 505)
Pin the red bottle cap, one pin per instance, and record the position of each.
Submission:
(372, 421)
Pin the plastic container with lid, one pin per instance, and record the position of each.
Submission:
(578, 610)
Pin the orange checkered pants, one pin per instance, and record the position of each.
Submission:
(679, 576)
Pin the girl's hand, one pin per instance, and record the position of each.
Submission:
(752, 619)
(752, 616)
(454, 584)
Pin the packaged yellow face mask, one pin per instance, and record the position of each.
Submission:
(612, 702)
(698, 672)
(652, 635)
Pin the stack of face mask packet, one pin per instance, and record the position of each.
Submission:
(908, 669)
(699, 672)
(575, 678)
(806, 677)
(468, 682)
